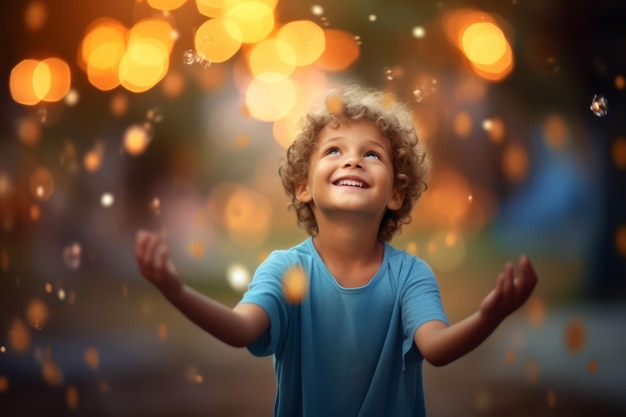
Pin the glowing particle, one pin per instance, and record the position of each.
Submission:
(418, 94)
(238, 277)
(155, 206)
(196, 249)
(37, 313)
(531, 371)
(592, 366)
(357, 40)
(72, 255)
(4, 383)
(620, 240)
(620, 82)
(295, 284)
(599, 105)
(317, 10)
(71, 397)
(154, 115)
(51, 372)
(536, 311)
(334, 104)
(411, 248)
(3, 349)
(372, 18)
(575, 335)
(189, 57)
(551, 398)
(162, 331)
(61, 294)
(418, 32)
(389, 74)
(510, 357)
(470, 198)
(136, 139)
(19, 336)
(92, 358)
(72, 97)
(107, 200)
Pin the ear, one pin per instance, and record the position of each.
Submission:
(396, 200)
(302, 192)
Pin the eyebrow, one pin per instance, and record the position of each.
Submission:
(371, 142)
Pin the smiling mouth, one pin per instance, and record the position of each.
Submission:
(351, 183)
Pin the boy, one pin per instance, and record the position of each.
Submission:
(355, 343)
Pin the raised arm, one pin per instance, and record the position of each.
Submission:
(238, 326)
(441, 344)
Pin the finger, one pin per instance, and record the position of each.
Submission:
(163, 257)
(507, 281)
(528, 276)
(152, 242)
(140, 238)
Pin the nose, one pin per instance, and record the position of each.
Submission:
(352, 161)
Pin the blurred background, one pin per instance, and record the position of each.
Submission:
(172, 115)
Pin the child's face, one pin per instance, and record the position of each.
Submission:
(351, 170)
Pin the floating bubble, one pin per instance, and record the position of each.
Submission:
(189, 56)
(72, 255)
(238, 277)
(295, 284)
(599, 105)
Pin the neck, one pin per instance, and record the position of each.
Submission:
(348, 243)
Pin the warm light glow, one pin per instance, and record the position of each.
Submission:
(214, 8)
(555, 131)
(101, 51)
(483, 43)
(271, 60)
(341, 51)
(143, 65)
(41, 184)
(270, 101)
(136, 140)
(618, 153)
(60, 79)
(306, 39)
(217, 40)
(166, 4)
(462, 124)
(21, 82)
(255, 20)
(152, 29)
(515, 162)
(35, 16)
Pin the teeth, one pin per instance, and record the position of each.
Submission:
(351, 183)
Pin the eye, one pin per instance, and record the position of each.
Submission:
(372, 154)
(332, 151)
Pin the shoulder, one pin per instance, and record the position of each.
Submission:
(282, 258)
(399, 259)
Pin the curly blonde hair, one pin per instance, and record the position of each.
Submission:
(395, 121)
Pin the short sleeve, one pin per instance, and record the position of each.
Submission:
(265, 290)
(420, 301)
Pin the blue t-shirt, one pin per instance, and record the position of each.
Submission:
(346, 352)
